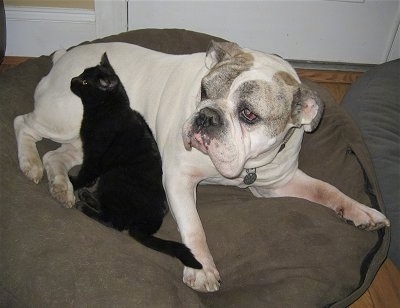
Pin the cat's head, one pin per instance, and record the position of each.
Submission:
(95, 83)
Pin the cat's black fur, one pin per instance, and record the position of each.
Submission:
(120, 150)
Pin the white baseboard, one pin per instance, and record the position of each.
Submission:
(35, 31)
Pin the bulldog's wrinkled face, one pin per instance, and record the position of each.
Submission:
(249, 100)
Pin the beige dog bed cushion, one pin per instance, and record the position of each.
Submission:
(282, 252)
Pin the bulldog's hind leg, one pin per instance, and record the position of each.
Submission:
(28, 156)
(306, 187)
(57, 164)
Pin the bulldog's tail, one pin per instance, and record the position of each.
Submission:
(171, 248)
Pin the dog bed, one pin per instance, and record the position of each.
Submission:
(282, 252)
(373, 101)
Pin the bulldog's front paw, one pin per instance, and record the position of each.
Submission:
(204, 280)
(61, 189)
(365, 218)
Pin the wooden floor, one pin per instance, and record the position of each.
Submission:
(384, 291)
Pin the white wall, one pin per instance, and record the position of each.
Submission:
(360, 31)
(354, 31)
(35, 31)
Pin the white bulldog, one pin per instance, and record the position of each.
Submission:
(243, 111)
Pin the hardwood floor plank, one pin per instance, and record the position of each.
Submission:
(9, 62)
(365, 301)
(384, 291)
(327, 76)
(386, 287)
(336, 90)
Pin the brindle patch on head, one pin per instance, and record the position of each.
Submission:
(287, 78)
(217, 82)
(271, 102)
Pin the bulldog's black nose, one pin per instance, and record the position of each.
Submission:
(208, 117)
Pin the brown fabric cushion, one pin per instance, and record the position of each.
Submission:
(281, 252)
(373, 102)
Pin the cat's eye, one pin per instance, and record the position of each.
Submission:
(84, 82)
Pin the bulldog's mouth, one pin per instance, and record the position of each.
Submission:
(199, 141)
(227, 162)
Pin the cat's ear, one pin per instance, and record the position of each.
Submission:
(104, 60)
(108, 83)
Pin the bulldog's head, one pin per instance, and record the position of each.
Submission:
(248, 102)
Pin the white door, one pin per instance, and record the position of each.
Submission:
(355, 31)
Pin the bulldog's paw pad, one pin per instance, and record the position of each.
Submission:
(202, 280)
(374, 226)
(32, 169)
(366, 218)
(61, 189)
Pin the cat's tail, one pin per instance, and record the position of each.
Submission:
(171, 248)
(90, 206)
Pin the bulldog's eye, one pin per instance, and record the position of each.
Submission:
(248, 116)
(84, 82)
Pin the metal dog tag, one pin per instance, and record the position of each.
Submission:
(250, 177)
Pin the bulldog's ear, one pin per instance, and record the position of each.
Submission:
(307, 108)
(219, 51)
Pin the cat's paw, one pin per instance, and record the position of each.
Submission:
(77, 182)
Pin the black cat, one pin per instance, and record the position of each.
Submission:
(119, 149)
